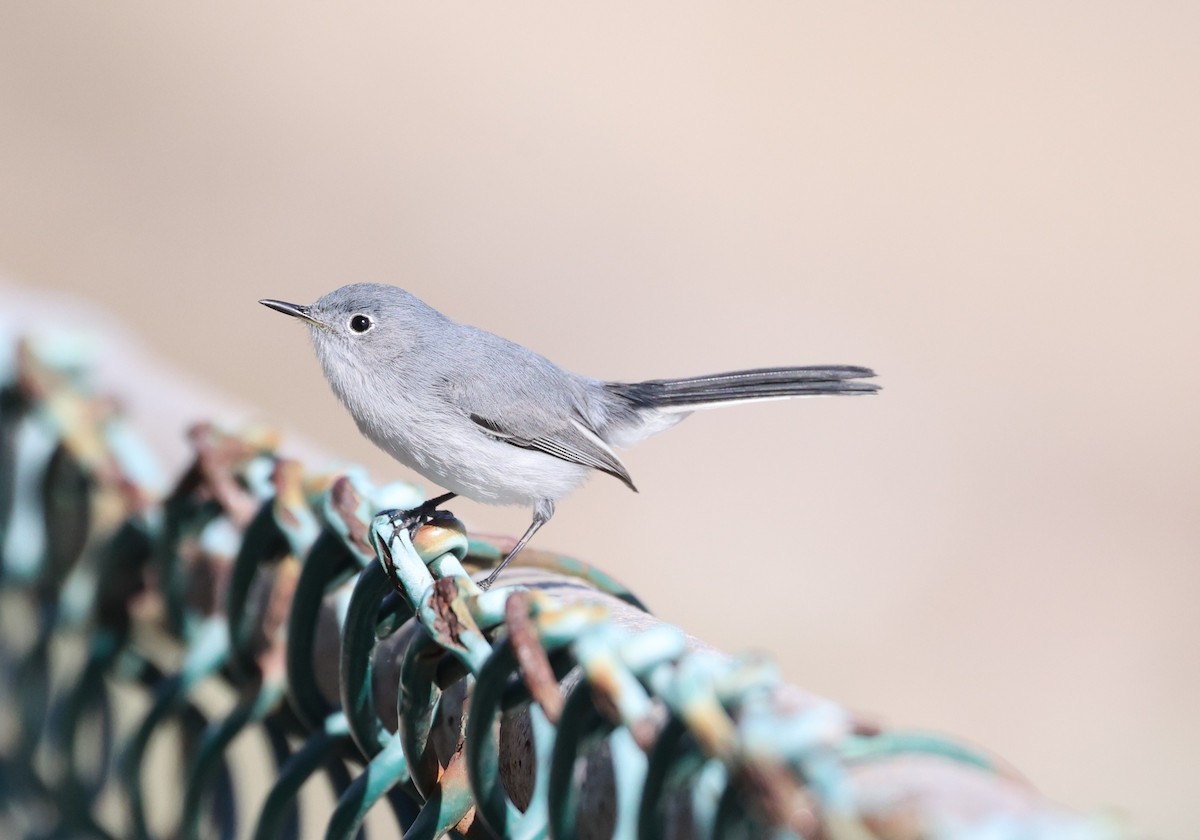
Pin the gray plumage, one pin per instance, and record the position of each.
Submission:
(496, 422)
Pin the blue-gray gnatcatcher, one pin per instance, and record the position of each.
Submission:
(494, 421)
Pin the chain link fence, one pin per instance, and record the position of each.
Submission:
(553, 705)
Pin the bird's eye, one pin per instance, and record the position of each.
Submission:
(360, 323)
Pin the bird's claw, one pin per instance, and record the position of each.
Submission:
(411, 520)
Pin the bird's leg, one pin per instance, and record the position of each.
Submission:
(542, 512)
(410, 520)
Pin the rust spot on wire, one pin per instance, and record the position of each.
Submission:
(604, 687)
(865, 727)
(531, 657)
(288, 479)
(779, 798)
(273, 616)
(447, 624)
(389, 567)
(345, 503)
(644, 732)
(217, 458)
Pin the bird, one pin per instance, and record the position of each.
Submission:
(491, 420)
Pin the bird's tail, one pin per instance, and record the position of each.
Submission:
(684, 395)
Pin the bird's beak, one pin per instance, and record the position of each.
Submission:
(293, 309)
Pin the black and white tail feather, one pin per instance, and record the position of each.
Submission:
(637, 410)
(697, 392)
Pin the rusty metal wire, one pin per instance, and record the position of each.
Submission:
(549, 706)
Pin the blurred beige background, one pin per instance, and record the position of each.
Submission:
(995, 205)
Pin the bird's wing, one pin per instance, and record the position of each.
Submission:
(574, 442)
(516, 396)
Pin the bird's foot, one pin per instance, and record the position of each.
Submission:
(411, 520)
(424, 514)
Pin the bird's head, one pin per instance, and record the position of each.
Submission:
(364, 327)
